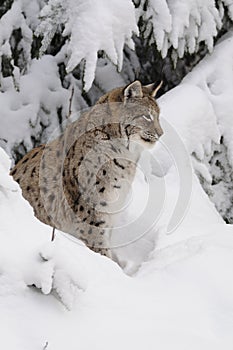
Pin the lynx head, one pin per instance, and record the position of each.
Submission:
(137, 112)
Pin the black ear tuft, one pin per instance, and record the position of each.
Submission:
(153, 88)
(134, 90)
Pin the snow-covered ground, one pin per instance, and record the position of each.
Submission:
(175, 290)
(181, 297)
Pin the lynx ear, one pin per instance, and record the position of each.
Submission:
(153, 89)
(134, 90)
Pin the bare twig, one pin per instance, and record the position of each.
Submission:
(137, 73)
(46, 346)
(70, 103)
(53, 234)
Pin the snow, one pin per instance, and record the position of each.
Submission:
(214, 76)
(180, 298)
(33, 106)
(182, 25)
(109, 26)
(174, 289)
(92, 26)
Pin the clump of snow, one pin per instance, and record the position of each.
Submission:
(109, 25)
(104, 25)
(214, 76)
(34, 106)
(182, 25)
(158, 19)
(6, 184)
(10, 21)
(197, 130)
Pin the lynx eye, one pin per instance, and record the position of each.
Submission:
(149, 117)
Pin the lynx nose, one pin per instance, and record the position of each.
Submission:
(159, 131)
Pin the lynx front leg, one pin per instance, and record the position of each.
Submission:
(103, 251)
(100, 242)
(96, 238)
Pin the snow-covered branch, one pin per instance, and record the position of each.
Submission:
(91, 27)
